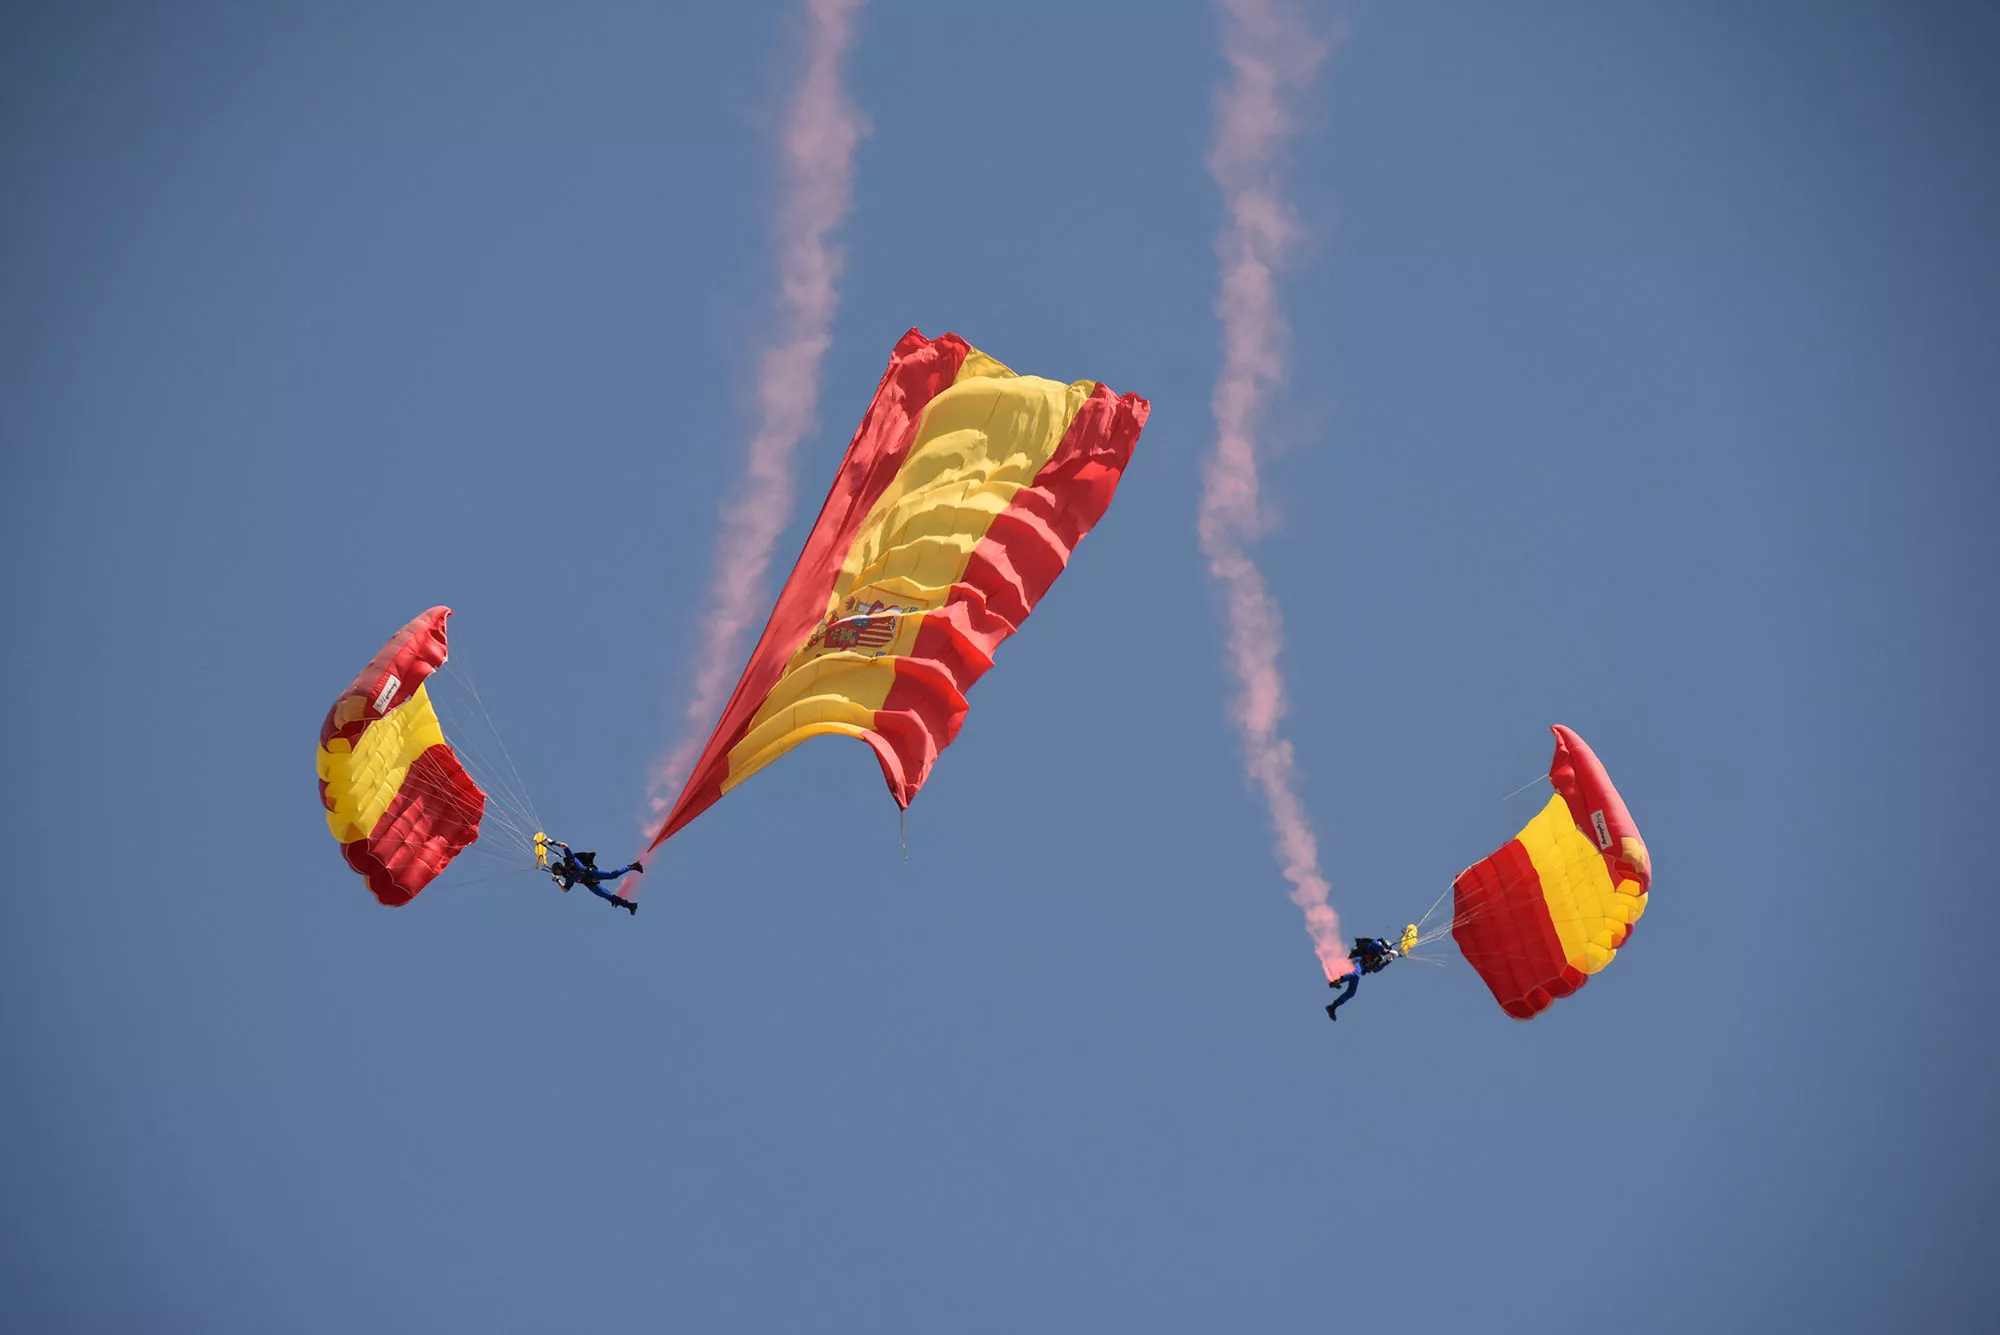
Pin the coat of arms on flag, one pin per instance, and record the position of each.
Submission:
(863, 633)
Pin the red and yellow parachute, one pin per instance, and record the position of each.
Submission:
(1552, 907)
(396, 797)
(957, 506)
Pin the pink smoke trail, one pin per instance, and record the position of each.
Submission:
(816, 169)
(1272, 57)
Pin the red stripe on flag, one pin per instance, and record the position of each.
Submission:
(1026, 547)
(918, 371)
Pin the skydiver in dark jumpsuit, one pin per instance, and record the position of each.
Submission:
(582, 869)
(1371, 954)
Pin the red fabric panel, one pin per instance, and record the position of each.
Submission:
(434, 816)
(1586, 789)
(1026, 547)
(918, 370)
(412, 653)
(918, 719)
(1501, 922)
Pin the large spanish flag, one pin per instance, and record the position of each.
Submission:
(960, 499)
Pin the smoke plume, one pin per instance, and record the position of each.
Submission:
(1272, 59)
(816, 170)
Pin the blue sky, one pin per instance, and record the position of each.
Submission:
(1647, 376)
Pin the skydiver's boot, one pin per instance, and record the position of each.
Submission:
(631, 905)
(639, 867)
(1330, 1013)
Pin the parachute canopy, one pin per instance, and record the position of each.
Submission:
(396, 797)
(960, 499)
(1553, 906)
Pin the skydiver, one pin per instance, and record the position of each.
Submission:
(1371, 954)
(582, 869)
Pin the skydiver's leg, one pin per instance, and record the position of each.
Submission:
(1353, 985)
(613, 898)
(614, 875)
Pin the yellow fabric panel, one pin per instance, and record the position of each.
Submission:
(1591, 916)
(977, 445)
(981, 365)
(362, 782)
(834, 693)
(831, 727)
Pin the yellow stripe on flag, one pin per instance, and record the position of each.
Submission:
(833, 694)
(978, 443)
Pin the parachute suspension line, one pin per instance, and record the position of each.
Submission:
(1458, 919)
(465, 744)
(450, 799)
(520, 784)
(481, 767)
(1443, 929)
(494, 873)
(1539, 778)
(1429, 911)
(497, 819)
(903, 829)
(443, 794)
(506, 781)
(484, 754)
(473, 753)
